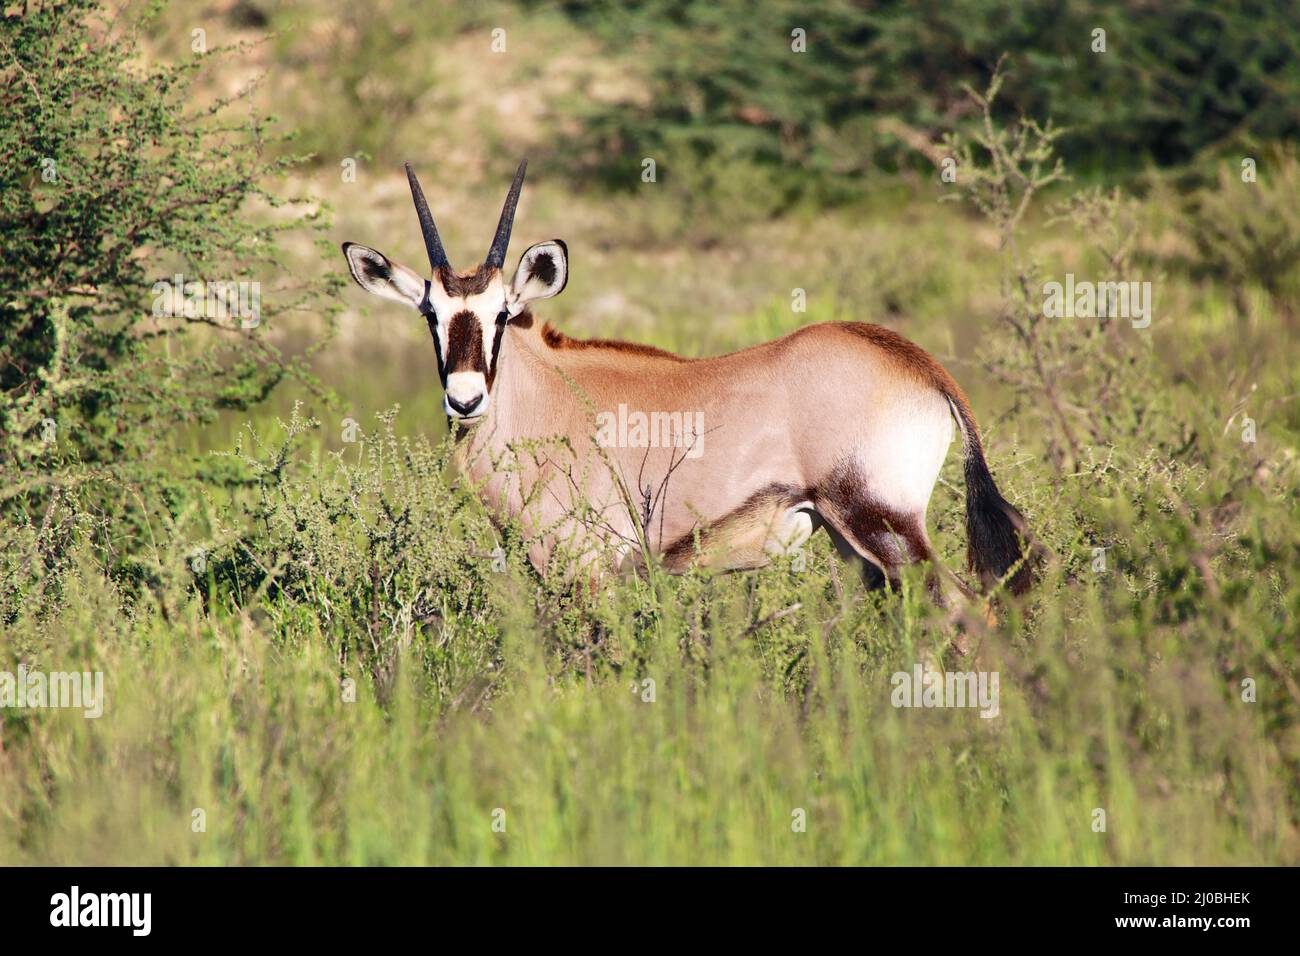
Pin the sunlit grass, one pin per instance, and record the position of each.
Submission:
(411, 706)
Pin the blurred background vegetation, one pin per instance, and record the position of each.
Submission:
(182, 510)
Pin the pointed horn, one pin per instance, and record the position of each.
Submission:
(437, 255)
(497, 254)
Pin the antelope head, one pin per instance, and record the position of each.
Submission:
(467, 312)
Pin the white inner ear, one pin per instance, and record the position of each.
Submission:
(536, 278)
(379, 275)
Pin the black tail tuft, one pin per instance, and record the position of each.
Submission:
(996, 533)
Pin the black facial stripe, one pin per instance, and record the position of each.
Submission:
(426, 309)
(430, 318)
(496, 349)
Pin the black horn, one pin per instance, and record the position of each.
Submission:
(497, 254)
(437, 254)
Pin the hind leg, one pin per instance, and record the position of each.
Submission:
(884, 539)
(885, 536)
(886, 543)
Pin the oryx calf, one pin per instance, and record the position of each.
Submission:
(843, 425)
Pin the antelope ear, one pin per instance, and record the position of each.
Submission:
(543, 272)
(378, 274)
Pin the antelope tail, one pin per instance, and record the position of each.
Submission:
(996, 533)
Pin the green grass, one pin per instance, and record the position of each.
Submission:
(217, 713)
(1120, 691)
(479, 691)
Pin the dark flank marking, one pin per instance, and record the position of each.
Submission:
(465, 344)
(682, 551)
(894, 537)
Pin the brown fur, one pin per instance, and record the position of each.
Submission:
(908, 355)
(815, 417)
(465, 344)
(748, 521)
(845, 424)
(917, 360)
(471, 282)
(556, 339)
(884, 535)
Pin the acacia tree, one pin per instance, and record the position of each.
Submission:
(113, 182)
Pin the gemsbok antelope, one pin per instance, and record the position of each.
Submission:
(728, 461)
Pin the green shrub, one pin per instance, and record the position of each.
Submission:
(112, 182)
(721, 81)
(1247, 234)
(343, 662)
(375, 555)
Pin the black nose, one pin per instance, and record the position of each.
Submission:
(464, 408)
